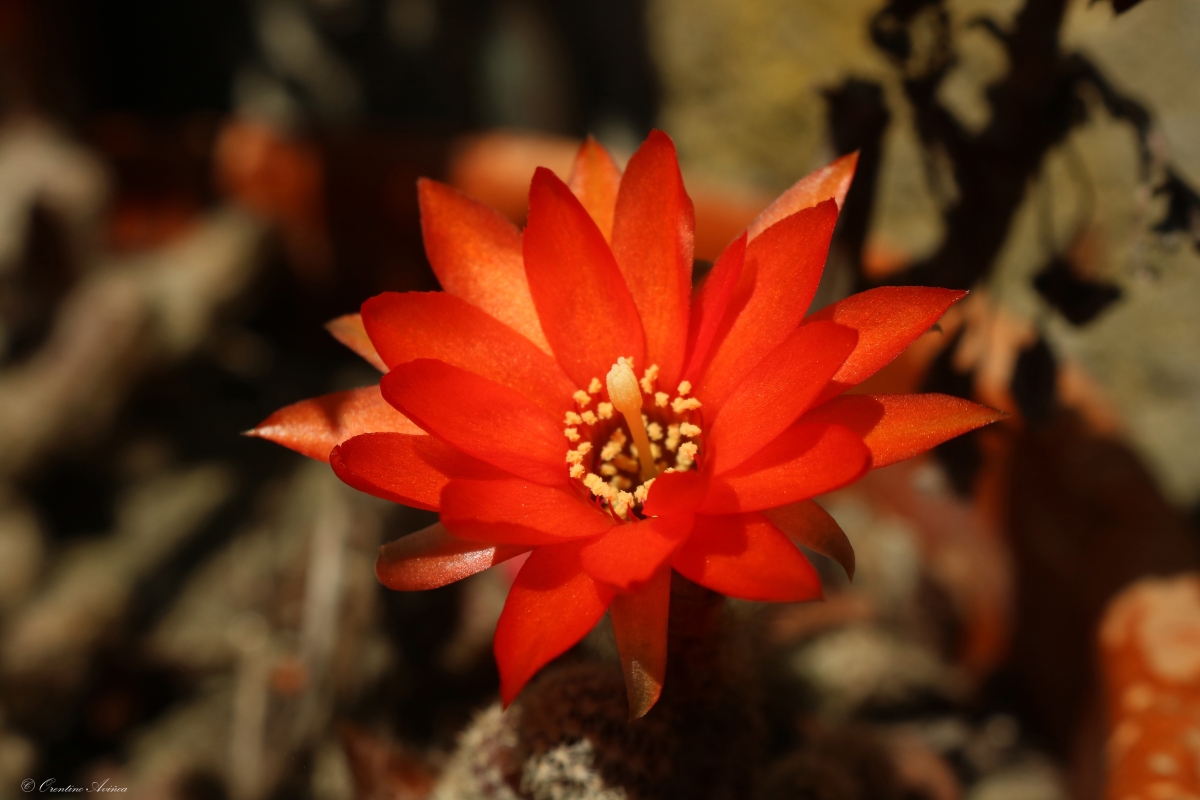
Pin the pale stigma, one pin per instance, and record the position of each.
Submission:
(626, 394)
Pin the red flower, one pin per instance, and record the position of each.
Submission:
(511, 406)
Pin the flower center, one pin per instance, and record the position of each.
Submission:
(618, 457)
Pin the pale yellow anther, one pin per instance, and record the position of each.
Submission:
(626, 395)
(684, 388)
(655, 452)
(582, 398)
(595, 386)
(626, 463)
(686, 455)
(620, 482)
(584, 448)
(688, 429)
(648, 379)
(672, 437)
(595, 484)
(682, 404)
(574, 457)
(654, 431)
(588, 417)
(577, 471)
(572, 419)
(604, 410)
(621, 504)
(619, 437)
(661, 399)
(611, 450)
(572, 434)
(641, 492)
(608, 470)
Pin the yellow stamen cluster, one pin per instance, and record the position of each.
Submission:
(625, 464)
(681, 405)
(648, 379)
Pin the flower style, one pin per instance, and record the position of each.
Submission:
(569, 394)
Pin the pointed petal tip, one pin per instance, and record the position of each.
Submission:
(660, 137)
(269, 433)
(642, 690)
(809, 525)
(643, 705)
(348, 329)
(544, 175)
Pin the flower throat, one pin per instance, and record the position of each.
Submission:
(619, 454)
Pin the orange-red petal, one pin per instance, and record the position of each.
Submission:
(639, 622)
(595, 180)
(675, 493)
(412, 325)
(888, 319)
(431, 557)
(513, 511)
(630, 554)
(586, 310)
(899, 426)
(348, 329)
(808, 524)
(712, 306)
(552, 604)
(315, 426)
(476, 254)
(828, 182)
(653, 233)
(494, 423)
(745, 556)
(403, 468)
(804, 461)
(782, 270)
(775, 393)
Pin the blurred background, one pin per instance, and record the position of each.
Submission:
(190, 189)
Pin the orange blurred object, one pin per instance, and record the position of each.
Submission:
(882, 259)
(383, 769)
(142, 225)
(495, 169)
(289, 676)
(280, 179)
(1150, 657)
